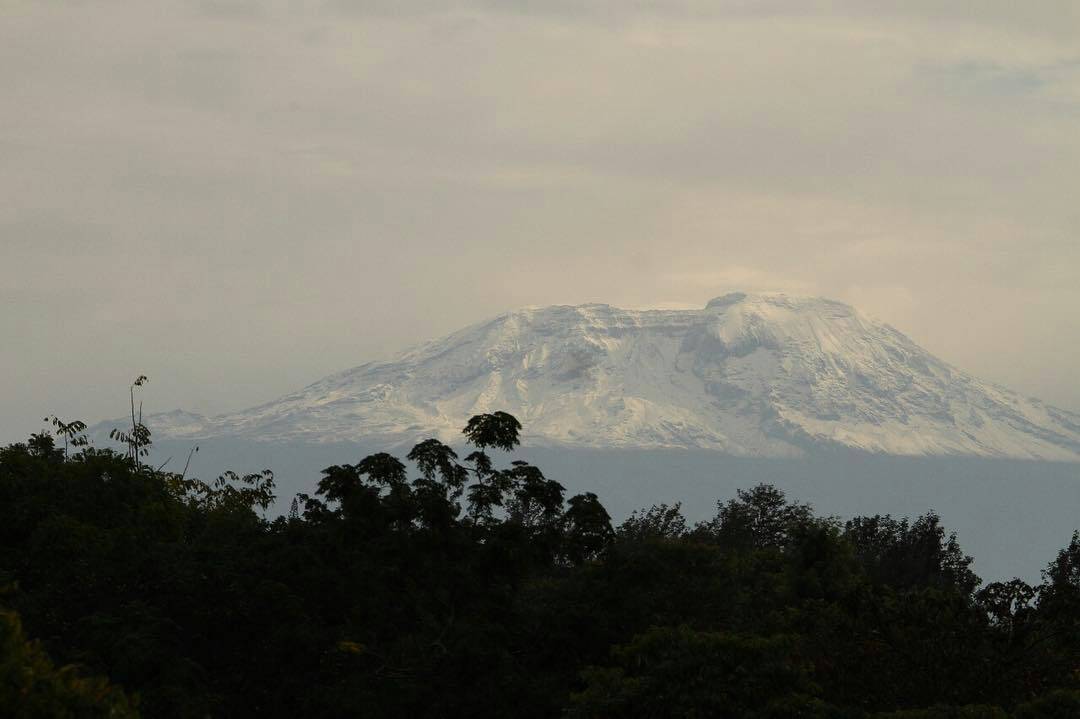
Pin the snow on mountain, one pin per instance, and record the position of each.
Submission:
(750, 375)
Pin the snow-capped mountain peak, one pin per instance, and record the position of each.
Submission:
(749, 374)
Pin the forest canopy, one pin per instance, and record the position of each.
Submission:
(442, 586)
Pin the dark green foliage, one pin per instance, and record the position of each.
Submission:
(658, 522)
(970, 711)
(499, 430)
(32, 687)
(760, 518)
(1055, 705)
(907, 554)
(586, 528)
(679, 672)
(466, 588)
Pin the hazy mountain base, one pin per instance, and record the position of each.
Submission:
(1011, 515)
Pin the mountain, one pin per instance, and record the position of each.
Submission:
(756, 375)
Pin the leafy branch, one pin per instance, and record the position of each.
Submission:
(72, 432)
(138, 439)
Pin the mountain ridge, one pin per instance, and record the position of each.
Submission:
(767, 374)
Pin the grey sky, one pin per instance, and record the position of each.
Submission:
(237, 198)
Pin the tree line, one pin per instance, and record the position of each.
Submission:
(447, 586)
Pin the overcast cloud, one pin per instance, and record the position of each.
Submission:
(237, 198)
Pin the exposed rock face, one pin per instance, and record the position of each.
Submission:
(752, 375)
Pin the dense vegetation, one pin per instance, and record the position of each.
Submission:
(477, 590)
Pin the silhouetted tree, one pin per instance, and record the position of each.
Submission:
(910, 554)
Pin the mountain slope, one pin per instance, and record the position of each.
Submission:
(749, 375)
